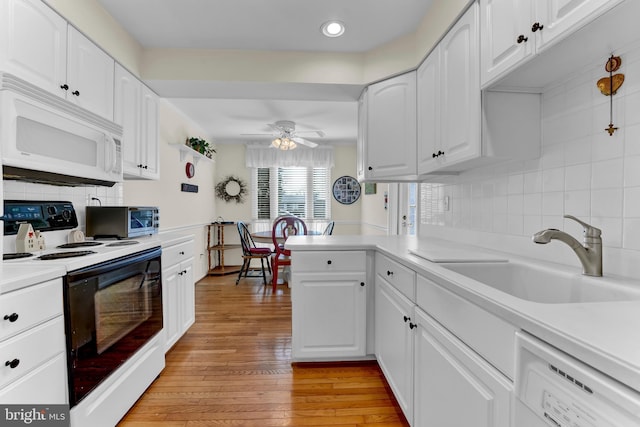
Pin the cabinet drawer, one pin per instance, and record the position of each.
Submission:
(45, 385)
(399, 276)
(176, 253)
(487, 334)
(328, 261)
(29, 306)
(30, 349)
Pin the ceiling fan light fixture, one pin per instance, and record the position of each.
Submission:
(284, 144)
(332, 28)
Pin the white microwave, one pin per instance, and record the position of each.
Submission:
(48, 139)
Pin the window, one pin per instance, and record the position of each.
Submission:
(299, 191)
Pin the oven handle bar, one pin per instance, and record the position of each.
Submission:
(114, 264)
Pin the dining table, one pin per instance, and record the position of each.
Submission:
(265, 236)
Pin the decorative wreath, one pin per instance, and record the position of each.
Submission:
(231, 188)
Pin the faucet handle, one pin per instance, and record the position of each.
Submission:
(589, 230)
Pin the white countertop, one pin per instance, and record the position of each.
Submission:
(17, 276)
(605, 335)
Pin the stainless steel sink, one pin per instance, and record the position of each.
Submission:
(545, 285)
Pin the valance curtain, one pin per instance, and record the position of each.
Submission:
(265, 157)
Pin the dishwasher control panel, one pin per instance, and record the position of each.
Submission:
(561, 414)
(554, 389)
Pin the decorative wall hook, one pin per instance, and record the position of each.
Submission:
(610, 85)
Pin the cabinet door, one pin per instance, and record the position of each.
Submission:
(453, 385)
(33, 44)
(150, 153)
(394, 343)
(328, 315)
(171, 301)
(391, 127)
(460, 90)
(90, 74)
(127, 110)
(505, 35)
(428, 112)
(560, 17)
(361, 160)
(188, 298)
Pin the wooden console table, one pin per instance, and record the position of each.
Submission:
(216, 247)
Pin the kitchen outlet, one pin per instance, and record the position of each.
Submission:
(446, 204)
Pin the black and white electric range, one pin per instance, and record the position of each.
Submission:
(112, 305)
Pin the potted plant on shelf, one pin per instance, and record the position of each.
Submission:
(201, 146)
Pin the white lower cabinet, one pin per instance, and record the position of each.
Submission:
(329, 305)
(394, 342)
(178, 291)
(454, 386)
(32, 342)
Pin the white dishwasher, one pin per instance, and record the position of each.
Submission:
(554, 389)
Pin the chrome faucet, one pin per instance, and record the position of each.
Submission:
(589, 252)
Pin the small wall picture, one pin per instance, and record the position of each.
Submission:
(370, 188)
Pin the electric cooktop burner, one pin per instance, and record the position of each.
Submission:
(16, 255)
(78, 245)
(58, 255)
(123, 243)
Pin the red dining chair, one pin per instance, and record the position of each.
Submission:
(283, 227)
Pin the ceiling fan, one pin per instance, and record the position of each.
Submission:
(286, 136)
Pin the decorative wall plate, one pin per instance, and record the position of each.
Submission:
(346, 190)
(190, 170)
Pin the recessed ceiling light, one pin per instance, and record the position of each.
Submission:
(333, 28)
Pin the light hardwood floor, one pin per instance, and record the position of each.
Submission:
(233, 368)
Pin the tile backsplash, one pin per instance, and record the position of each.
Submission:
(582, 171)
(79, 196)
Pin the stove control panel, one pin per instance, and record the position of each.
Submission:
(42, 215)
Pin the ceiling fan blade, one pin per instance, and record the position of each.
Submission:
(306, 142)
(320, 133)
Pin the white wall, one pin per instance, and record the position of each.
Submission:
(582, 171)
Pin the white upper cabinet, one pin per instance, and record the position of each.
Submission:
(89, 75)
(448, 103)
(557, 18)
(37, 45)
(512, 32)
(506, 37)
(33, 43)
(460, 90)
(389, 144)
(136, 110)
(362, 136)
(428, 112)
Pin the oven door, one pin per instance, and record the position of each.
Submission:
(111, 310)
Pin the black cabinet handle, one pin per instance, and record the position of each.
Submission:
(181, 252)
(406, 319)
(362, 284)
(438, 154)
(536, 26)
(389, 273)
(329, 261)
(370, 168)
(76, 93)
(64, 87)
(434, 155)
(145, 167)
(522, 38)
(412, 325)
(11, 317)
(12, 363)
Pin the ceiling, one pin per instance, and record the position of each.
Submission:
(225, 110)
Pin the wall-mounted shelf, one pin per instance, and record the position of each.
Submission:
(186, 151)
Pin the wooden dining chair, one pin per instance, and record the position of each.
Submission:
(283, 227)
(250, 251)
(328, 231)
